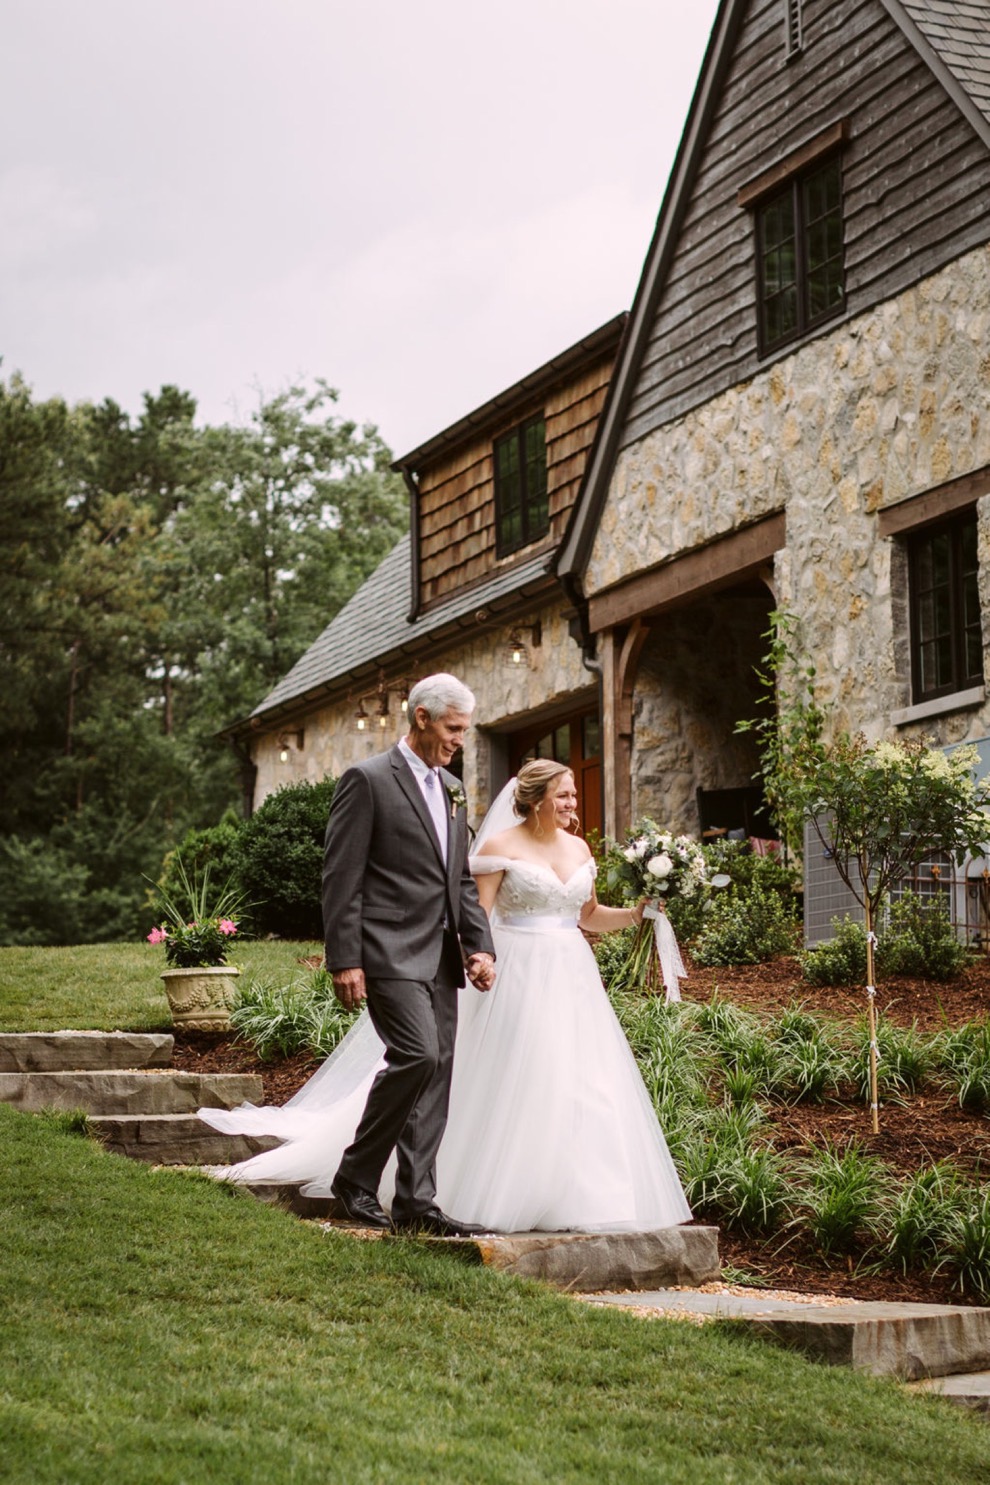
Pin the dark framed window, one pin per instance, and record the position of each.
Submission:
(522, 511)
(800, 254)
(946, 632)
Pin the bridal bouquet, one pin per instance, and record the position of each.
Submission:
(657, 864)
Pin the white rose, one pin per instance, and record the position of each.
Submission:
(660, 866)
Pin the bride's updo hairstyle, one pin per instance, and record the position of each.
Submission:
(532, 783)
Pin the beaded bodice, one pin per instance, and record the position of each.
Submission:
(528, 889)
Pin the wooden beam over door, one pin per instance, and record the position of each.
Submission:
(620, 660)
(720, 564)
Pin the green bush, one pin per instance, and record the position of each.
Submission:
(746, 927)
(611, 952)
(216, 850)
(42, 894)
(840, 961)
(920, 940)
(280, 867)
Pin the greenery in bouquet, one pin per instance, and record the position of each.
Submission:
(669, 869)
(658, 864)
(196, 930)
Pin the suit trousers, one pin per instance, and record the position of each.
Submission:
(406, 1109)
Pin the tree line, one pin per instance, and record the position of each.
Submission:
(157, 577)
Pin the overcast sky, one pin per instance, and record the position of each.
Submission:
(419, 200)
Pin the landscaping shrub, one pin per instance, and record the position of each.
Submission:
(612, 955)
(919, 939)
(746, 927)
(839, 961)
(963, 1057)
(843, 1199)
(922, 1221)
(280, 1018)
(281, 860)
(216, 849)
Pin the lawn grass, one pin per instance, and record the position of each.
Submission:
(108, 987)
(161, 1328)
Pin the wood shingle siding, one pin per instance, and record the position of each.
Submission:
(457, 495)
(916, 188)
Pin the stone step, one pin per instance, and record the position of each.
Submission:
(967, 1389)
(71, 1051)
(174, 1139)
(909, 1341)
(568, 1260)
(290, 1196)
(604, 1260)
(129, 1092)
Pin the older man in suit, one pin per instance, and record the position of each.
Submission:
(402, 923)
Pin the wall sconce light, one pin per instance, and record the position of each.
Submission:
(287, 741)
(404, 698)
(519, 650)
(361, 718)
(383, 711)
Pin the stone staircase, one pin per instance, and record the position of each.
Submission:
(139, 1106)
(135, 1102)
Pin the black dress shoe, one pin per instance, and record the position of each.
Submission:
(361, 1206)
(435, 1223)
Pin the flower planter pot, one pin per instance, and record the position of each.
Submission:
(201, 998)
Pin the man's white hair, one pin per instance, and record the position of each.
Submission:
(440, 694)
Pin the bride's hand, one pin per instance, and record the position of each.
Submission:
(481, 971)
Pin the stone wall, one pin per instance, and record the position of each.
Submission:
(882, 407)
(696, 681)
(506, 693)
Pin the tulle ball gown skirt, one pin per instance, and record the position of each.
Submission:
(550, 1127)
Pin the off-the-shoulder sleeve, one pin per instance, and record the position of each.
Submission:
(485, 865)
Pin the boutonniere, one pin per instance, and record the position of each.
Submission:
(457, 798)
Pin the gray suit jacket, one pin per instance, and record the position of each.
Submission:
(385, 890)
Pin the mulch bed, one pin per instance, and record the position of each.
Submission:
(923, 1129)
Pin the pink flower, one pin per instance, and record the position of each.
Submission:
(227, 926)
(157, 936)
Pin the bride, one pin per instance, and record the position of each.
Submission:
(550, 1126)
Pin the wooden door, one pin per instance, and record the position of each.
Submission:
(576, 741)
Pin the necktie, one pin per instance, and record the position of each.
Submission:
(434, 798)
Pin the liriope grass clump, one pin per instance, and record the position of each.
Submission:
(282, 1016)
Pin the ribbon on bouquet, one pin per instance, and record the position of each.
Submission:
(672, 969)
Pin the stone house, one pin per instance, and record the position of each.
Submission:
(799, 417)
(470, 590)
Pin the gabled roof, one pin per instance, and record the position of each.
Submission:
(501, 408)
(953, 39)
(372, 630)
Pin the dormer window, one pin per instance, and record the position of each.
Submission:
(522, 512)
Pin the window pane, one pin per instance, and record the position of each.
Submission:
(591, 739)
(945, 606)
(537, 505)
(562, 744)
(777, 235)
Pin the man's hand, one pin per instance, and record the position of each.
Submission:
(349, 987)
(481, 971)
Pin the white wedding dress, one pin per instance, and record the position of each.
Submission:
(550, 1125)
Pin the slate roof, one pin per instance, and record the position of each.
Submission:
(373, 628)
(958, 32)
